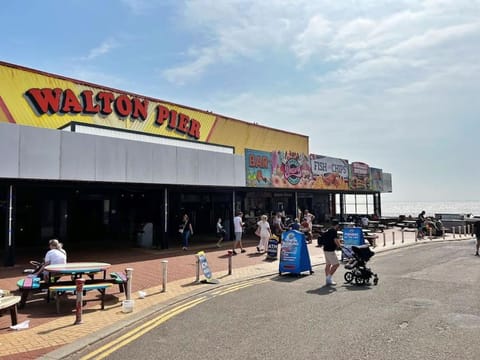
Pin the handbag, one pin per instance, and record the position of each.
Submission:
(257, 232)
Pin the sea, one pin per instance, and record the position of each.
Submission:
(413, 208)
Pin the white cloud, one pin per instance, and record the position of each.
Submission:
(103, 49)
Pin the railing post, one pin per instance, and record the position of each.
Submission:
(164, 275)
(128, 287)
(230, 256)
(79, 305)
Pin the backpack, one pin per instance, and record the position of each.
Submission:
(320, 240)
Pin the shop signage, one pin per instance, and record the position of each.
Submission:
(329, 173)
(58, 101)
(359, 176)
(376, 179)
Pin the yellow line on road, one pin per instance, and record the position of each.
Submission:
(128, 337)
(134, 334)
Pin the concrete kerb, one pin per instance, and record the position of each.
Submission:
(138, 317)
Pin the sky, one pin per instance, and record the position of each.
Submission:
(393, 83)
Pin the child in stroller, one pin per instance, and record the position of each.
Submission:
(358, 271)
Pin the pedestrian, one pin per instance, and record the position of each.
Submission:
(331, 242)
(295, 225)
(265, 233)
(220, 232)
(477, 234)
(238, 229)
(307, 224)
(186, 230)
(56, 255)
(278, 225)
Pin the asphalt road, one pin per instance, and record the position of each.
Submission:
(426, 306)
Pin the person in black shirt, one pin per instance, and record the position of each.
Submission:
(330, 243)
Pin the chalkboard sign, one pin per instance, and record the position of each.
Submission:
(272, 249)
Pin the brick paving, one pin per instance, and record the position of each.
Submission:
(49, 331)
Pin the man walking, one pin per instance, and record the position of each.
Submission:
(238, 229)
(330, 243)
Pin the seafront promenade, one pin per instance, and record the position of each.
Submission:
(55, 336)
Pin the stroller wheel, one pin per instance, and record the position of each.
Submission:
(348, 277)
(359, 280)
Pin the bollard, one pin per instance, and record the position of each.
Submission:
(468, 230)
(453, 231)
(416, 235)
(164, 275)
(384, 240)
(430, 232)
(443, 234)
(393, 238)
(79, 306)
(197, 277)
(459, 231)
(464, 230)
(128, 287)
(230, 256)
(403, 236)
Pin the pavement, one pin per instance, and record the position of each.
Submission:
(55, 336)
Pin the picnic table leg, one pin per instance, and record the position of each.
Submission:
(13, 314)
(23, 299)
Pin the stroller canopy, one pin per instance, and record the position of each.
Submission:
(363, 252)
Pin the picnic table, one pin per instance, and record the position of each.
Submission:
(74, 270)
(10, 303)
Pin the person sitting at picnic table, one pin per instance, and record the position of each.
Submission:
(365, 222)
(56, 255)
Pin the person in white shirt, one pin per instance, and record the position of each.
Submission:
(265, 233)
(238, 229)
(56, 255)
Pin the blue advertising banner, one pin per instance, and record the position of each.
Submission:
(294, 256)
(353, 236)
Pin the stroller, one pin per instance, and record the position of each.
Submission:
(358, 271)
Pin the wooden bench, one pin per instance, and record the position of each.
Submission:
(57, 289)
(27, 285)
(120, 278)
(10, 303)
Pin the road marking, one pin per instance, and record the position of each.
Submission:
(134, 334)
(128, 337)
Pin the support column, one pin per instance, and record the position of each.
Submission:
(9, 259)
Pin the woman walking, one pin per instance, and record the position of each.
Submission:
(186, 231)
(220, 232)
(265, 233)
